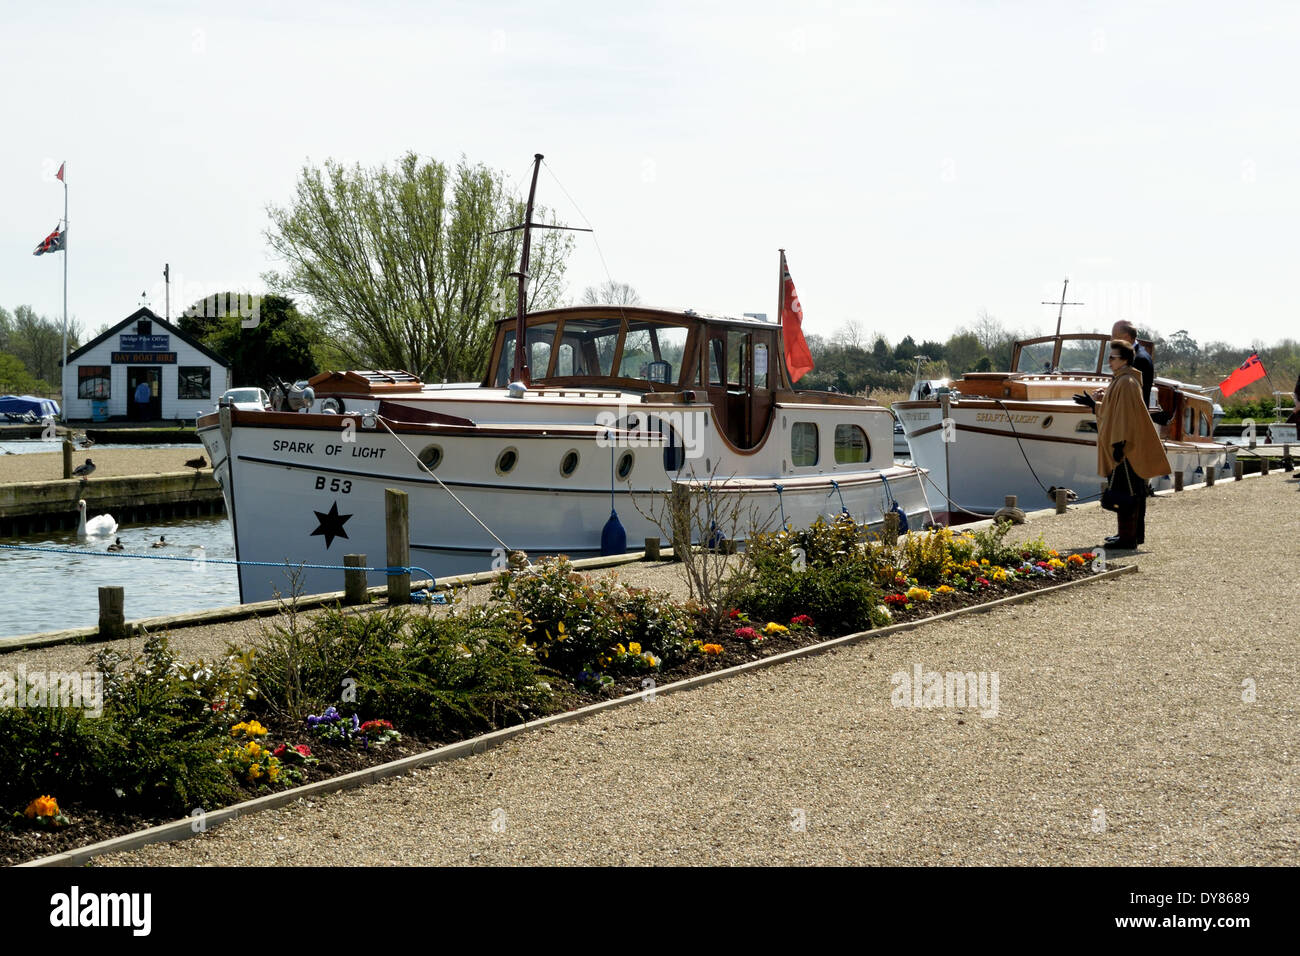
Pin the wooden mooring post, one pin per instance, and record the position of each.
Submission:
(1263, 464)
(1238, 470)
(67, 458)
(397, 532)
(112, 613)
(652, 552)
(1062, 499)
(1287, 464)
(354, 582)
(1210, 474)
(1178, 481)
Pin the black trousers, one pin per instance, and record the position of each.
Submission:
(1133, 517)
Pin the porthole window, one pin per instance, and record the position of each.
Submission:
(803, 444)
(624, 465)
(851, 445)
(569, 463)
(506, 461)
(431, 456)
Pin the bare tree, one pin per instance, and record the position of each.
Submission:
(852, 334)
(610, 292)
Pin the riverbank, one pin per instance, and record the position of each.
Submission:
(1123, 736)
(109, 463)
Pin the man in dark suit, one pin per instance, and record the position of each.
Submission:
(1126, 330)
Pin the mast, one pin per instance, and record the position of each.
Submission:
(63, 359)
(520, 371)
(1061, 311)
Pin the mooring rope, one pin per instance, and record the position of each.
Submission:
(203, 559)
(379, 418)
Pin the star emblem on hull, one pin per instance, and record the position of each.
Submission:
(330, 524)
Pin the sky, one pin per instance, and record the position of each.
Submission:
(921, 162)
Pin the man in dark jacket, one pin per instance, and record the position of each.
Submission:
(1126, 330)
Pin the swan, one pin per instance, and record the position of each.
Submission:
(100, 524)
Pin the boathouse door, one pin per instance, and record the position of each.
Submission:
(740, 383)
(144, 393)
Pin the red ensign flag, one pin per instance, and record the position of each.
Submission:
(1251, 370)
(797, 357)
(59, 174)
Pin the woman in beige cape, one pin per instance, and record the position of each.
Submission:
(1129, 450)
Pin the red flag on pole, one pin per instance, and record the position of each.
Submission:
(59, 174)
(1251, 370)
(797, 357)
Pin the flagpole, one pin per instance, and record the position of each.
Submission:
(63, 363)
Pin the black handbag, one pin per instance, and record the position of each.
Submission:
(1117, 494)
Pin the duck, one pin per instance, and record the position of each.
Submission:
(161, 542)
(100, 524)
(117, 546)
(86, 443)
(86, 470)
(199, 462)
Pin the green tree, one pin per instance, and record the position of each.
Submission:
(279, 343)
(963, 351)
(401, 266)
(37, 340)
(15, 377)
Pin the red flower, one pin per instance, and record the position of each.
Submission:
(801, 620)
(747, 634)
(895, 598)
(982, 582)
(733, 613)
(279, 751)
(302, 749)
(375, 726)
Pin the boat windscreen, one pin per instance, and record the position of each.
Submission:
(1036, 358)
(1080, 355)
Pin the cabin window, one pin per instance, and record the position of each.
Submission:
(717, 345)
(430, 456)
(506, 461)
(569, 463)
(803, 444)
(851, 445)
(1036, 359)
(1205, 431)
(1188, 427)
(94, 381)
(737, 347)
(540, 339)
(625, 465)
(760, 365)
(1087, 426)
(653, 352)
(194, 381)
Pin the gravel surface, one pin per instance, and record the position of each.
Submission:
(1121, 737)
(109, 462)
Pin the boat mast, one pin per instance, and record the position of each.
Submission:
(1061, 311)
(520, 372)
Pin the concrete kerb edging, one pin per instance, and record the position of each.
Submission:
(236, 612)
(185, 828)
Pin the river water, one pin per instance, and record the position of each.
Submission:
(43, 591)
(34, 446)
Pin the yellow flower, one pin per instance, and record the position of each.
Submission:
(775, 628)
(984, 562)
(918, 594)
(621, 650)
(944, 589)
(633, 648)
(711, 649)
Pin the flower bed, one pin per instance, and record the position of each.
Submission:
(348, 691)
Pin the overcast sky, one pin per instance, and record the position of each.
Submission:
(920, 162)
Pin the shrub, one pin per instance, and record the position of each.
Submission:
(46, 750)
(458, 674)
(578, 624)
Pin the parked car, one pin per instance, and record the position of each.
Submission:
(246, 399)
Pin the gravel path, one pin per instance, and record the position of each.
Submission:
(1121, 737)
(109, 462)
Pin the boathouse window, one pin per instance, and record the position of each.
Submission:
(94, 381)
(803, 444)
(194, 381)
(851, 445)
